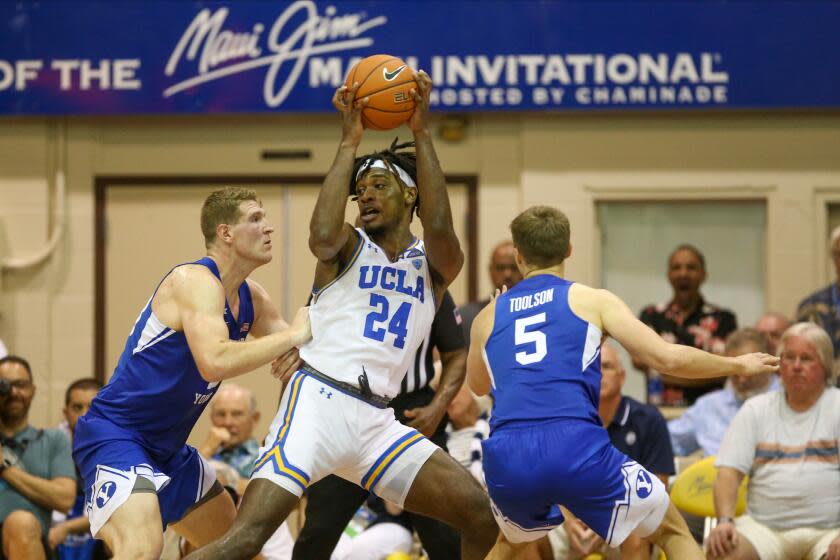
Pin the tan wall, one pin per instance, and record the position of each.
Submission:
(568, 160)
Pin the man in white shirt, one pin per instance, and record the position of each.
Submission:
(787, 441)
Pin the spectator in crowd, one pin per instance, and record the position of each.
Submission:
(686, 319)
(772, 325)
(787, 442)
(230, 441)
(639, 431)
(332, 501)
(378, 530)
(232, 450)
(704, 424)
(70, 537)
(823, 306)
(503, 272)
(36, 469)
(467, 428)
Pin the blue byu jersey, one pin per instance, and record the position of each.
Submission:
(156, 393)
(544, 361)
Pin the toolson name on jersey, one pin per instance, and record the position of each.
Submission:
(531, 300)
(389, 278)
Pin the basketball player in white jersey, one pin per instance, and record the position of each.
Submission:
(375, 294)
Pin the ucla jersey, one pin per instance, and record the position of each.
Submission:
(156, 393)
(374, 315)
(544, 360)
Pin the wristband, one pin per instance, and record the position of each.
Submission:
(725, 519)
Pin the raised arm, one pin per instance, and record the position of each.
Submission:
(442, 247)
(328, 232)
(678, 360)
(200, 301)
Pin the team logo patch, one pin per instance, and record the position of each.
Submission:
(417, 263)
(106, 492)
(644, 485)
(391, 76)
(413, 253)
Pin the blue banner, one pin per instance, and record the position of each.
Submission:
(160, 56)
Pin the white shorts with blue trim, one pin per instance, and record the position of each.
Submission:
(320, 430)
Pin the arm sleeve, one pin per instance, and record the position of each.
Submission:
(684, 433)
(61, 455)
(658, 457)
(447, 335)
(738, 447)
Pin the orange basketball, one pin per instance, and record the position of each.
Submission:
(387, 82)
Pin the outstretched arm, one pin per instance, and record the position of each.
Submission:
(442, 247)
(675, 359)
(328, 232)
(200, 300)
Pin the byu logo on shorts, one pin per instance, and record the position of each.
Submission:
(644, 485)
(106, 492)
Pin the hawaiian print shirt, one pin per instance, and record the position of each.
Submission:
(242, 457)
(706, 328)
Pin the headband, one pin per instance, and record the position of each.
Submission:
(392, 167)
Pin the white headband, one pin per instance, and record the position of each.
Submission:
(378, 163)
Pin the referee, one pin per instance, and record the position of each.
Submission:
(332, 501)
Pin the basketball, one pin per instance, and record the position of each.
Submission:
(387, 82)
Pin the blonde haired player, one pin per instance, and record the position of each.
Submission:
(537, 347)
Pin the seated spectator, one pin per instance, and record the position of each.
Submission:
(704, 424)
(70, 537)
(467, 428)
(36, 468)
(503, 273)
(231, 447)
(230, 441)
(823, 306)
(378, 530)
(772, 325)
(637, 430)
(787, 441)
(690, 320)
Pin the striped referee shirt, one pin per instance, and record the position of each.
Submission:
(446, 335)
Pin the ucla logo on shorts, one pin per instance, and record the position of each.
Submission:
(644, 485)
(106, 492)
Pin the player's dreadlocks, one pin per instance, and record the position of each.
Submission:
(401, 155)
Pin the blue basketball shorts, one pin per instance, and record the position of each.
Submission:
(110, 459)
(532, 469)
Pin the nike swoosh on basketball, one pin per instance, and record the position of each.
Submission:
(391, 76)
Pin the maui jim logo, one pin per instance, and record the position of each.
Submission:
(391, 76)
(219, 53)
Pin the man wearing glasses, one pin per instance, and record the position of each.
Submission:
(36, 468)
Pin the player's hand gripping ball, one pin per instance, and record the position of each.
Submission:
(387, 82)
